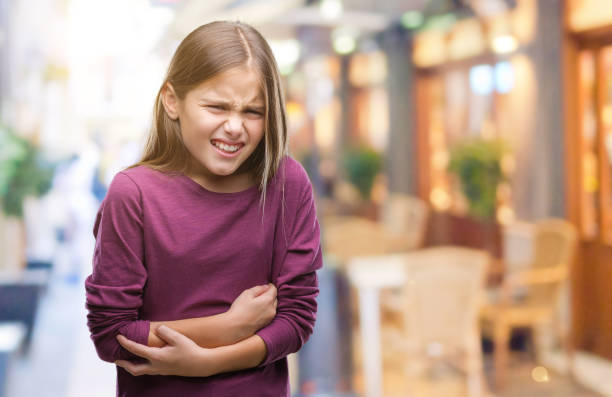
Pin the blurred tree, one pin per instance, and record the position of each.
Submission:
(23, 172)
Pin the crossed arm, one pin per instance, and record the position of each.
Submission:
(207, 345)
(253, 309)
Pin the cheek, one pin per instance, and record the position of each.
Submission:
(256, 129)
(202, 122)
(209, 122)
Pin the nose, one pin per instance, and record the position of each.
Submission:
(233, 124)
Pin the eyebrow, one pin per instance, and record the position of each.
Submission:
(256, 102)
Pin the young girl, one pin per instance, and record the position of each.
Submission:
(206, 250)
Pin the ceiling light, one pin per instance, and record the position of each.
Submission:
(504, 44)
(287, 53)
(330, 9)
(344, 44)
(344, 41)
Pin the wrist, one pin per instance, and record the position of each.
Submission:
(238, 330)
(210, 361)
(154, 340)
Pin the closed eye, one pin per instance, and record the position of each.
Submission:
(216, 107)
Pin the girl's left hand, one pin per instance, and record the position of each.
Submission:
(181, 356)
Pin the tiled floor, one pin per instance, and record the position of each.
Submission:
(444, 381)
(520, 383)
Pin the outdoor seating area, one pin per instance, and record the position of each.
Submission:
(444, 227)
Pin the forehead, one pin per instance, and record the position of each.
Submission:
(241, 83)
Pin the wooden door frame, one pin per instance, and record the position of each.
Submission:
(590, 310)
(572, 44)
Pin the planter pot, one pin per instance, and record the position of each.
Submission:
(449, 229)
(12, 244)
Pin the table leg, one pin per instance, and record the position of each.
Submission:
(370, 341)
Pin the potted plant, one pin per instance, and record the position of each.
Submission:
(361, 166)
(477, 165)
(24, 172)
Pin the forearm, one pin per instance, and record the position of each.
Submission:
(103, 333)
(245, 354)
(106, 318)
(210, 332)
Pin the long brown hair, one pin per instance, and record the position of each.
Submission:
(206, 52)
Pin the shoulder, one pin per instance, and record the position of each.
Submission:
(293, 175)
(293, 182)
(143, 177)
(131, 182)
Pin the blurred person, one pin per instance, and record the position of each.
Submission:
(69, 208)
(207, 249)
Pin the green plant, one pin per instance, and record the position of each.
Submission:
(361, 165)
(23, 172)
(477, 164)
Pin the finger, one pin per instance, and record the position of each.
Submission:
(135, 348)
(170, 336)
(135, 369)
(259, 289)
(271, 290)
(268, 296)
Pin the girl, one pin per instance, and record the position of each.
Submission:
(206, 250)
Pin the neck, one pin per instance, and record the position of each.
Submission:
(223, 184)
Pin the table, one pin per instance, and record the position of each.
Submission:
(369, 274)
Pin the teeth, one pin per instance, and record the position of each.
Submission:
(227, 148)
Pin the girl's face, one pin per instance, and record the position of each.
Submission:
(222, 122)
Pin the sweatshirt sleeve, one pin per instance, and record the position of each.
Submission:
(114, 289)
(296, 281)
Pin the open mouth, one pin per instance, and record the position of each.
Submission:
(227, 148)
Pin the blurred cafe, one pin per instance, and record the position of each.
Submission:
(461, 157)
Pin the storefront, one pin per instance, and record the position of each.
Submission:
(588, 64)
(476, 80)
(338, 122)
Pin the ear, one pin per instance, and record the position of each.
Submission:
(170, 101)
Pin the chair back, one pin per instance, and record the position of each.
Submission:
(517, 245)
(443, 295)
(405, 216)
(346, 237)
(553, 247)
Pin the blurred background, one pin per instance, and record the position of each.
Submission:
(461, 155)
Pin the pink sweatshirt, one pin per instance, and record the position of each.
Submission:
(168, 249)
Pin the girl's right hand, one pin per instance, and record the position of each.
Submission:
(253, 309)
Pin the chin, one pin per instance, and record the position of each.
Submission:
(223, 171)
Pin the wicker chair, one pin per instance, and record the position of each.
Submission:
(441, 301)
(539, 287)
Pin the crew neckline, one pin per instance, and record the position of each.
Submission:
(203, 190)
